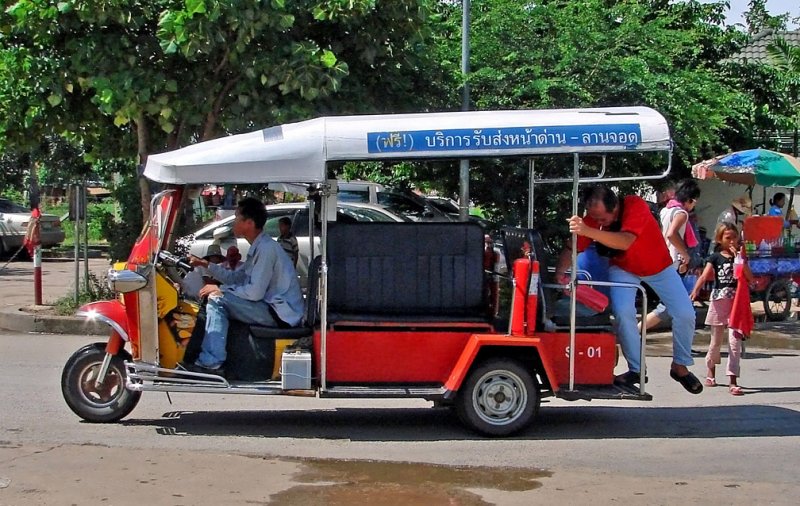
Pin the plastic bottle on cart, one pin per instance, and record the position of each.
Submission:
(764, 249)
(788, 244)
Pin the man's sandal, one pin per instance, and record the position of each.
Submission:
(688, 381)
(735, 390)
(711, 382)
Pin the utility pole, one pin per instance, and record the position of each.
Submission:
(463, 198)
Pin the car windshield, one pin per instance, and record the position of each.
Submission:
(6, 206)
(365, 214)
(444, 205)
(353, 196)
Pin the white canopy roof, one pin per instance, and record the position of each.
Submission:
(298, 152)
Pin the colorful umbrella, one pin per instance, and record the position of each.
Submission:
(751, 167)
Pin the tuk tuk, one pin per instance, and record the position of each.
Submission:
(394, 310)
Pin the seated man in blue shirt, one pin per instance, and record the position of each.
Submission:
(265, 292)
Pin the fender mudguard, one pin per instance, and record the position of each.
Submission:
(111, 312)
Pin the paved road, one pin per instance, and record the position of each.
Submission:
(201, 449)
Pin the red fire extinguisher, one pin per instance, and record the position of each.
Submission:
(526, 277)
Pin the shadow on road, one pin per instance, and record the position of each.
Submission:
(429, 424)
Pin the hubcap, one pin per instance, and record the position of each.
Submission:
(499, 397)
(107, 392)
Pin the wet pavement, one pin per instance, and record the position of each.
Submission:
(335, 483)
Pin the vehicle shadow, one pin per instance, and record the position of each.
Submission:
(430, 424)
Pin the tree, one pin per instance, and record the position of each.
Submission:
(785, 58)
(594, 53)
(171, 73)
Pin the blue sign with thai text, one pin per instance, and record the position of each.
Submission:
(468, 139)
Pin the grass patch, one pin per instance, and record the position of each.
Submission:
(97, 212)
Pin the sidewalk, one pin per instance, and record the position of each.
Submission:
(17, 310)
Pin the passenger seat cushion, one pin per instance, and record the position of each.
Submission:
(414, 268)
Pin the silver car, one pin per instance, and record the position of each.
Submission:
(221, 231)
(14, 220)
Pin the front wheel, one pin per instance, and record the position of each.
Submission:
(108, 402)
(778, 300)
(498, 398)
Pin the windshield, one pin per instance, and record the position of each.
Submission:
(444, 205)
(365, 214)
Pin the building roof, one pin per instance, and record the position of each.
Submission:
(756, 50)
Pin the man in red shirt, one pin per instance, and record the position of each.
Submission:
(626, 232)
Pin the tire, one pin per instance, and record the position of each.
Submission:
(777, 300)
(498, 398)
(109, 403)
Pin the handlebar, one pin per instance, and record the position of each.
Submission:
(171, 260)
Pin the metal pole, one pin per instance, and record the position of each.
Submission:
(85, 208)
(531, 190)
(463, 199)
(76, 246)
(573, 278)
(34, 224)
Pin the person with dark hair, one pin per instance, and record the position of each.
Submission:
(776, 209)
(626, 232)
(264, 292)
(287, 240)
(679, 236)
(776, 204)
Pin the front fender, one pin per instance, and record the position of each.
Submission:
(110, 312)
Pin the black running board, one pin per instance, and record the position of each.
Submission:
(589, 392)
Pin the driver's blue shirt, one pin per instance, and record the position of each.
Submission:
(268, 275)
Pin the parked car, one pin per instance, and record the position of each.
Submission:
(409, 204)
(402, 202)
(14, 219)
(450, 207)
(359, 191)
(221, 231)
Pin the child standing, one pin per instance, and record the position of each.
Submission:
(721, 266)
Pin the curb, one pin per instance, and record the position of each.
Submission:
(18, 320)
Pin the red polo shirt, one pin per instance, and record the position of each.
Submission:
(648, 254)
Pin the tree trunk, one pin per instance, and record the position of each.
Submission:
(143, 141)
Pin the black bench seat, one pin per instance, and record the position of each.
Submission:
(406, 272)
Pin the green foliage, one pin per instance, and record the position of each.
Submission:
(595, 53)
(97, 289)
(122, 231)
(13, 170)
(98, 214)
(785, 59)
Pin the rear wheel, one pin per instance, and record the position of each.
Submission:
(107, 402)
(777, 300)
(498, 398)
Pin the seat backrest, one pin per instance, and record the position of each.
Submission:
(406, 268)
(312, 304)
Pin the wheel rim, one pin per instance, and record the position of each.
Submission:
(499, 397)
(778, 299)
(105, 394)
